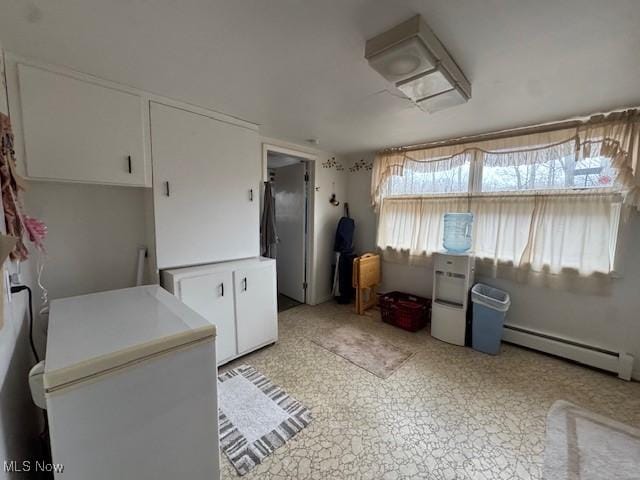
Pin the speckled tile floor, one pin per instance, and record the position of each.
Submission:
(448, 413)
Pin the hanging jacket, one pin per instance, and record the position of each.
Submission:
(344, 235)
(268, 232)
(343, 246)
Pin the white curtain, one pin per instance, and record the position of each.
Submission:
(546, 201)
(574, 233)
(414, 227)
(550, 233)
(501, 227)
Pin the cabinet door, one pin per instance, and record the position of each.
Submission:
(205, 179)
(256, 309)
(211, 296)
(80, 131)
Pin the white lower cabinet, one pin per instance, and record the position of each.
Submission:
(211, 296)
(239, 298)
(256, 302)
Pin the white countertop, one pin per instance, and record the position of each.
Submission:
(90, 327)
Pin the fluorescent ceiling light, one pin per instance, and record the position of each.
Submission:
(405, 60)
(425, 85)
(415, 61)
(441, 101)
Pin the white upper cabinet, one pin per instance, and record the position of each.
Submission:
(206, 178)
(77, 130)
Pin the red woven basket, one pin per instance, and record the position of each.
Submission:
(408, 312)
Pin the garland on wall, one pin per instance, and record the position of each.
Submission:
(333, 163)
(361, 165)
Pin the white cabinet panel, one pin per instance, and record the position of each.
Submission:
(75, 130)
(206, 182)
(256, 306)
(212, 297)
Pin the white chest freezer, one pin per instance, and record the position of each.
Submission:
(131, 387)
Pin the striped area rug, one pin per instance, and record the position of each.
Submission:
(255, 417)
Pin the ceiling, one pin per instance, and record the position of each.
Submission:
(297, 68)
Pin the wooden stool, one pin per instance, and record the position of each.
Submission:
(366, 279)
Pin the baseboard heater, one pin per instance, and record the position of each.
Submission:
(617, 362)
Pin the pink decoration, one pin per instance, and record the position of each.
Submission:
(36, 230)
(604, 180)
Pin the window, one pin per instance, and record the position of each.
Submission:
(548, 201)
(560, 173)
(443, 180)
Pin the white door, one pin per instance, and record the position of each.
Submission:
(256, 308)
(205, 179)
(290, 225)
(211, 296)
(80, 131)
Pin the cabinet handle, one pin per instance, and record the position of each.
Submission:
(167, 189)
(246, 285)
(251, 195)
(222, 289)
(129, 162)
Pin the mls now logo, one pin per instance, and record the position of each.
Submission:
(14, 466)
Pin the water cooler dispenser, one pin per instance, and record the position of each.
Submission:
(452, 278)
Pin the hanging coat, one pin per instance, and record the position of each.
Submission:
(344, 235)
(268, 232)
(343, 246)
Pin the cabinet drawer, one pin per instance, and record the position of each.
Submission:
(80, 131)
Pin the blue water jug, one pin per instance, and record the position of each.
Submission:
(457, 232)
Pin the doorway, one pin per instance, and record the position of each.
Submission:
(288, 175)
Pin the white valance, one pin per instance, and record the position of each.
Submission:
(615, 136)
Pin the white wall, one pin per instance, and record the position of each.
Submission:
(326, 221)
(610, 319)
(325, 215)
(19, 417)
(94, 232)
(359, 186)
